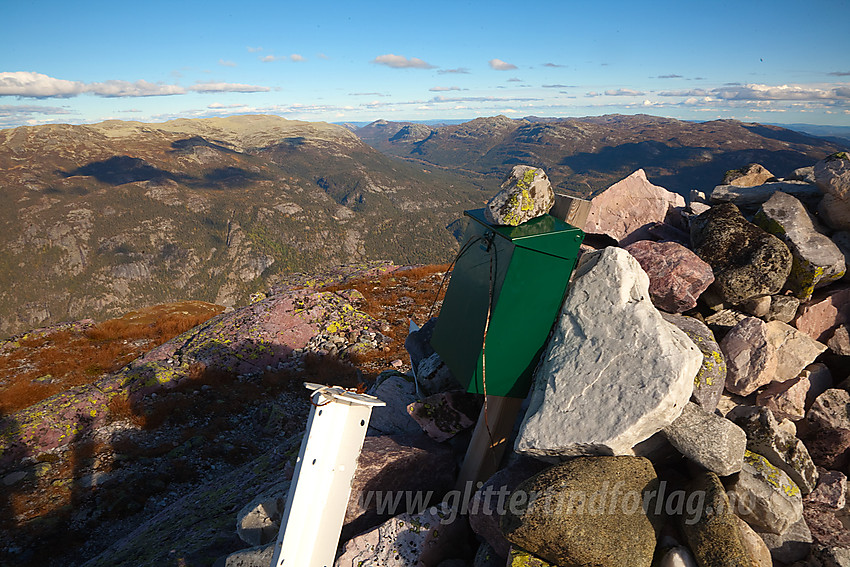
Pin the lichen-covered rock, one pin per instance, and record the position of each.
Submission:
(711, 378)
(625, 210)
(434, 376)
(521, 558)
(593, 394)
(712, 531)
(765, 496)
(711, 441)
(747, 176)
(588, 511)
(782, 449)
(677, 276)
(747, 261)
(842, 240)
(442, 416)
(525, 194)
(750, 357)
(408, 539)
(817, 260)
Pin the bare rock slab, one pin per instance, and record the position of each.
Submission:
(792, 545)
(747, 261)
(795, 350)
(711, 441)
(677, 276)
(625, 210)
(754, 196)
(525, 194)
(817, 260)
(595, 393)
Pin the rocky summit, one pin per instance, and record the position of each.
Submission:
(687, 409)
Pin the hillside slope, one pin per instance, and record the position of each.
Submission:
(583, 156)
(102, 218)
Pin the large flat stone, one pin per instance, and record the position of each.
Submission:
(754, 196)
(595, 393)
(627, 209)
(825, 312)
(795, 350)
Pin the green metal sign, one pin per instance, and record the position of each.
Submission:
(509, 281)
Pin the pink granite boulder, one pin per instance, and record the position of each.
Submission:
(677, 276)
(626, 210)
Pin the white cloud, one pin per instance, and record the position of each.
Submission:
(322, 56)
(624, 92)
(459, 70)
(553, 65)
(114, 89)
(401, 62)
(254, 49)
(36, 85)
(228, 88)
(443, 89)
(296, 57)
(500, 65)
(270, 58)
(220, 105)
(225, 63)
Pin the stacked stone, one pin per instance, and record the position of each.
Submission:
(690, 407)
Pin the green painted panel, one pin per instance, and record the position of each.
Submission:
(526, 269)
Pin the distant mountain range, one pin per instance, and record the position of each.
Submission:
(103, 218)
(586, 155)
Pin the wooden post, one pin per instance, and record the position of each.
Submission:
(484, 454)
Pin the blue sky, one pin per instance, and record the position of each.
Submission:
(84, 62)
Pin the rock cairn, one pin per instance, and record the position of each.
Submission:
(691, 406)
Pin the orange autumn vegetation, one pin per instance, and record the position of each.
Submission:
(46, 365)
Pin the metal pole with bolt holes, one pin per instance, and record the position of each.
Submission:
(321, 485)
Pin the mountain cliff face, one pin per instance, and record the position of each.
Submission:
(583, 156)
(102, 218)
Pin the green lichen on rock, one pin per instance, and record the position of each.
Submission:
(770, 474)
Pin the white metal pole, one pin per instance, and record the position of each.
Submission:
(321, 485)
